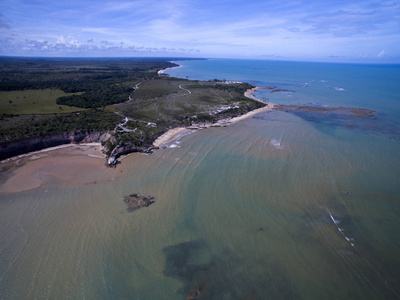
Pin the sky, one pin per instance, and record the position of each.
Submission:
(338, 31)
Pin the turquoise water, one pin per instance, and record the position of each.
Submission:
(279, 206)
(375, 87)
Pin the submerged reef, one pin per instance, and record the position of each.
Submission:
(223, 275)
(326, 110)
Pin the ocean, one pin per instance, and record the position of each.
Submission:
(283, 205)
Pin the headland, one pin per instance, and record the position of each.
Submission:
(126, 112)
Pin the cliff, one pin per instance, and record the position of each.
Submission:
(126, 148)
(22, 146)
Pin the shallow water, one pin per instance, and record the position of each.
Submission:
(272, 207)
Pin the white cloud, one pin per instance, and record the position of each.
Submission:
(381, 54)
(305, 30)
(68, 41)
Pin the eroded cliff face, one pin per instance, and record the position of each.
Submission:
(22, 146)
(127, 148)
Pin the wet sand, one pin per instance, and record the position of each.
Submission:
(56, 166)
(169, 135)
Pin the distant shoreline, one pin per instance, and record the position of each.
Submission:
(161, 72)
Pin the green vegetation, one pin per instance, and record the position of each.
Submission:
(73, 75)
(100, 82)
(29, 102)
(45, 96)
(171, 101)
(18, 127)
(99, 97)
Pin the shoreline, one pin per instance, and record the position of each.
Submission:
(178, 132)
(169, 136)
(65, 166)
(172, 134)
(162, 72)
(25, 155)
(249, 93)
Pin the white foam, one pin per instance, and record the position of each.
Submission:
(335, 221)
(339, 89)
(276, 143)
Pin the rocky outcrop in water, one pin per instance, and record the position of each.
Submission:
(136, 201)
(197, 293)
(127, 148)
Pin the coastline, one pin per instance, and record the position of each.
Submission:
(56, 165)
(249, 92)
(176, 133)
(167, 137)
(170, 135)
(39, 153)
(162, 72)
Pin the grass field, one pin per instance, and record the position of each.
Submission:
(29, 102)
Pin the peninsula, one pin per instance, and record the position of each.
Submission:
(124, 104)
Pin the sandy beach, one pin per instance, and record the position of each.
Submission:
(170, 135)
(161, 72)
(56, 166)
(269, 107)
(249, 92)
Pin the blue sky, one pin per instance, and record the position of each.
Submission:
(348, 31)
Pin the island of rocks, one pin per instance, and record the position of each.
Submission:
(135, 201)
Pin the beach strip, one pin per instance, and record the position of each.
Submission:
(269, 107)
(249, 92)
(85, 149)
(161, 72)
(169, 136)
